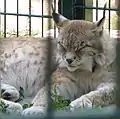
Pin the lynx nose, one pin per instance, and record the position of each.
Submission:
(69, 61)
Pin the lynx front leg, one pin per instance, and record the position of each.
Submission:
(10, 107)
(64, 85)
(40, 104)
(103, 96)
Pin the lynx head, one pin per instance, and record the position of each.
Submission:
(81, 44)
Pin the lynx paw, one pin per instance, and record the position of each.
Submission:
(34, 112)
(10, 107)
(81, 103)
(9, 92)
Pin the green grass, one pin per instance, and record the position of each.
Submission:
(2, 107)
(59, 103)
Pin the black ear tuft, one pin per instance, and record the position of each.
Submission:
(58, 18)
(101, 21)
(55, 15)
(104, 10)
(53, 10)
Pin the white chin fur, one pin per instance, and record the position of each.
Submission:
(63, 64)
(71, 69)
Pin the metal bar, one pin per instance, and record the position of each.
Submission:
(0, 75)
(96, 10)
(0, 24)
(118, 65)
(26, 15)
(73, 13)
(66, 8)
(42, 18)
(105, 113)
(79, 13)
(92, 7)
(60, 6)
(29, 18)
(5, 18)
(54, 23)
(109, 19)
(48, 69)
(17, 18)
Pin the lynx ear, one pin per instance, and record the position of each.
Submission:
(100, 23)
(58, 18)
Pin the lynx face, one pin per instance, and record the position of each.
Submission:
(80, 43)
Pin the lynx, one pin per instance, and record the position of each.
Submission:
(85, 74)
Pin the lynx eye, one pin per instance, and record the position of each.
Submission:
(61, 47)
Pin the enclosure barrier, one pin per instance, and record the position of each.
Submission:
(104, 113)
(72, 9)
